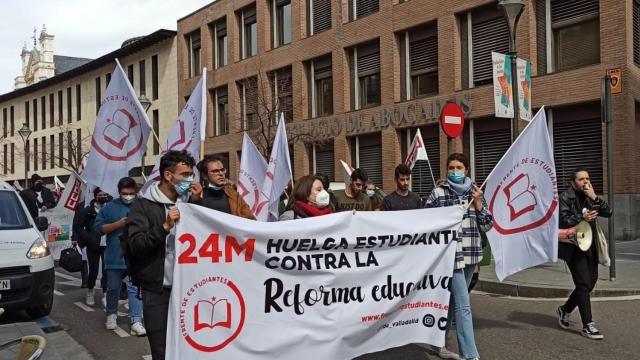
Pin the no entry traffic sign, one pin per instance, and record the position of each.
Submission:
(452, 120)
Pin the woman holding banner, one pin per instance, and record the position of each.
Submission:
(309, 199)
(459, 189)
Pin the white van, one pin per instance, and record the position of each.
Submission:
(26, 266)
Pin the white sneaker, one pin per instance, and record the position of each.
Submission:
(112, 323)
(137, 329)
(90, 300)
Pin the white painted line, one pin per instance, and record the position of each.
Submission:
(118, 330)
(597, 299)
(453, 120)
(69, 283)
(83, 306)
(146, 357)
(56, 292)
(628, 254)
(68, 277)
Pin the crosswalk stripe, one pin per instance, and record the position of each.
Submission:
(118, 330)
(83, 306)
(56, 292)
(146, 357)
(68, 277)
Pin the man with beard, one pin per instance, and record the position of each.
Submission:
(402, 198)
(354, 197)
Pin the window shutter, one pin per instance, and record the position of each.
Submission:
(368, 59)
(325, 160)
(423, 54)
(636, 32)
(421, 182)
(282, 2)
(541, 35)
(221, 28)
(563, 10)
(249, 15)
(371, 157)
(464, 50)
(487, 36)
(366, 7)
(195, 40)
(578, 144)
(322, 67)
(489, 148)
(573, 50)
(321, 15)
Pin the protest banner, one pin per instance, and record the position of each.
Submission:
(60, 232)
(524, 89)
(335, 286)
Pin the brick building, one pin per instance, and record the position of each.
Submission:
(360, 76)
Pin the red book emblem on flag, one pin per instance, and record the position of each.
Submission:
(212, 313)
(519, 199)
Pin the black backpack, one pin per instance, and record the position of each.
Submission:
(71, 259)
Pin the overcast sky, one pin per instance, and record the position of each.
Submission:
(82, 28)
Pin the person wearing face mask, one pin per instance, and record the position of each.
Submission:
(217, 193)
(88, 238)
(309, 199)
(111, 221)
(38, 198)
(354, 196)
(459, 189)
(580, 203)
(402, 198)
(151, 238)
(375, 195)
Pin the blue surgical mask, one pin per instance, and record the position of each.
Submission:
(455, 176)
(370, 193)
(183, 186)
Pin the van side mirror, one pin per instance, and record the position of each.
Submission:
(42, 223)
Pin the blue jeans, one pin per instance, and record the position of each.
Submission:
(114, 281)
(460, 307)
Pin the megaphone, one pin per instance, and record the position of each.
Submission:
(584, 236)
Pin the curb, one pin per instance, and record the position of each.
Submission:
(518, 290)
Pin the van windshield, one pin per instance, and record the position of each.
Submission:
(12, 215)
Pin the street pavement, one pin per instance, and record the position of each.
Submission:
(505, 327)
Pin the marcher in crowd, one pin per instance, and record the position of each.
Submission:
(87, 237)
(375, 195)
(402, 198)
(580, 203)
(152, 232)
(111, 221)
(325, 184)
(309, 199)
(354, 197)
(460, 190)
(38, 197)
(217, 193)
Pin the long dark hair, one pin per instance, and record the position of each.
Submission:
(302, 189)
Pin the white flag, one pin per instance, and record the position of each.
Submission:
(119, 137)
(71, 197)
(523, 197)
(278, 174)
(346, 173)
(58, 186)
(251, 176)
(417, 151)
(189, 130)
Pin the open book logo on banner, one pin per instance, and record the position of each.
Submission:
(521, 190)
(121, 133)
(179, 144)
(212, 314)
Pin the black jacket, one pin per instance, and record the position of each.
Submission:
(30, 199)
(83, 230)
(146, 244)
(571, 205)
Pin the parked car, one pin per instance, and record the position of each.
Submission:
(27, 275)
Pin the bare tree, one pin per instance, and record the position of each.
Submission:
(69, 155)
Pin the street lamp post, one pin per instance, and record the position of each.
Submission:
(512, 10)
(146, 104)
(24, 133)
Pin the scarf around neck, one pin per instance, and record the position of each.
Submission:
(304, 210)
(463, 188)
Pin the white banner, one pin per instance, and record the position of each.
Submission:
(523, 197)
(251, 175)
(502, 85)
(60, 218)
(524, 89)
(278, 174)
(119, 137)
(330, 287)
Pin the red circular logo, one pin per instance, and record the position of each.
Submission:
(212, 314)
(121, 137)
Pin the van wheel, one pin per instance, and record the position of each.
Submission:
(41, 310)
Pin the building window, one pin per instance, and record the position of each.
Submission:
(69, 147)
(193, 42)
(98, 94)
(12, 120)
(44, 153)
(35, 114)
(60, 150)
(248, 89)
(362, 8)
(143, 77)
(5, 158)
(108, 79)
(220, 44)
(421, 181)
(35, 154)
(419, 55)
(636, 32)
(156, 128)
(52, 150)
(51, 110)
(222, 111)
(13, 159)
(366, 153)
(130, 74)
(248, 32)
(319, 16)
(78, 147)
(366, 79)
(60, 108)
(69, 114)
(485, 140)
(321, 86)
(26, 113)
(481, 31)
(154, 77)
(322, 159)
(78, 103)
(281, 21)
(43, 111)
(4, 123)
(282, 93)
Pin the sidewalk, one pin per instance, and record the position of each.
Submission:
(60, 345)
(553, 280)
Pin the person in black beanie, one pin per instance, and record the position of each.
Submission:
(38, 197)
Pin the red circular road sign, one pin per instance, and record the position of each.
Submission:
(452, 120)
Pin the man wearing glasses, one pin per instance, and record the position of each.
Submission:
(217, 193)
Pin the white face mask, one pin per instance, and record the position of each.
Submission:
(127, 199)
(322, 198)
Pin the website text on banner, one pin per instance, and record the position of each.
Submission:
(336, 286)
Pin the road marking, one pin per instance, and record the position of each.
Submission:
(68, 277)
(635, 254)
(73, 281)
(83, 306)
(597, 299)
(146, 357)
(118, 330)
(56, 292)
